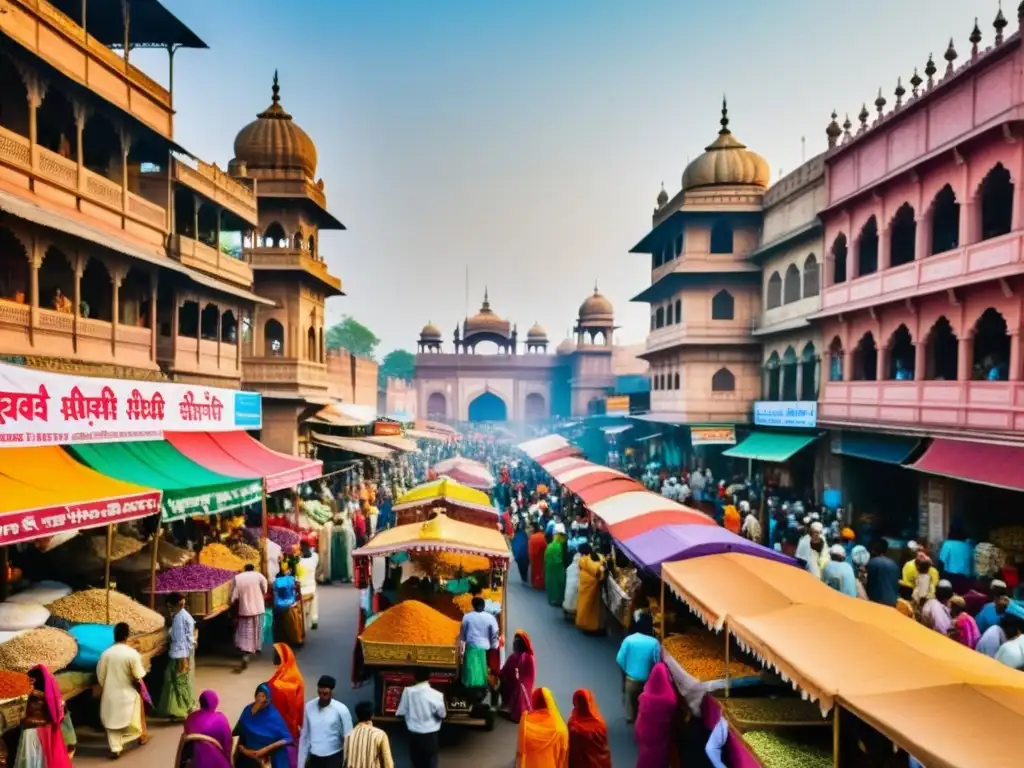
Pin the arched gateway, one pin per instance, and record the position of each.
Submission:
(488, 407)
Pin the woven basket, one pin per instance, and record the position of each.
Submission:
(151, 643)
(11, 712)
(405, 654)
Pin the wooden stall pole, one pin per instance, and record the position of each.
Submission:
(726, 633)
(295, 500)
(152, 567)
(661, 619)
(266, 532)
(106, 577)
(836, 711)
(4, 586)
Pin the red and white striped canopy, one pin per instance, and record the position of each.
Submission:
(630, 514)
(541, 445)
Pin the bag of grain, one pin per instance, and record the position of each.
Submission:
(16, 616)
(41, 593)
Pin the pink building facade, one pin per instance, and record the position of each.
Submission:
(922, 289)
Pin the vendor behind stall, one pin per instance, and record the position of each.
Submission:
(479, 634)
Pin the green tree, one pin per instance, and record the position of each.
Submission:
(397, 364)
(353, 336)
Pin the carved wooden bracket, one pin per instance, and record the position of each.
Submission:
(1006, 288)
(958, 156)
(954, 300)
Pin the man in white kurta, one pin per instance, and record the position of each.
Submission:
(119, 673)
(307, 584)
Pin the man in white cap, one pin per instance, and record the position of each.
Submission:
(1011, 653)
(935, 612)
(995, 609)
(751, 528)
(838, 573)
(812, 550)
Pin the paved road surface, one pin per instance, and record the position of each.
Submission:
(566, 660)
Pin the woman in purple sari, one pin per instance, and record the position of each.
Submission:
(206, 741)
(517, 677)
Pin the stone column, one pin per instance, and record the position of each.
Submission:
(920, 361)
(79, 267)
(35, 261)
(195, 218)
(220, 321)
(923, 237)
(799, 380)
(1014, 373)
(199, 331)
(175, 325)
(154, 332)
(847, 365)
(81, 115)
(36, 89)
(238, 338)
(126, 145)
(216, 241)
(969, 225)
(882, 367)
(852, 259)
(964, 358)
(884, 249)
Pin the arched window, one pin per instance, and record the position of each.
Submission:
(297, 241)
(867, 248)
(209, 322)
(678, 245)
(791, 288)
(809, 377)
(721, 237)
(274, 236)
(789, 363)
(273, 339)
(901, 355)
(835, 360)
(812, 278)
(679, 310)
(669, 314)
(839, 254)
(311, 351)
(774, 369)
(722, 306)
(996, 202)
(991, 347)
(774, 298)
(659, 317)
(311, 245)
(942, 352)
(228, 328)
(676, 380)
(723, 381)
(865, 359)
(902, 236)
(945, 221)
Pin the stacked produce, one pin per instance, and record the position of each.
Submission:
(703, 657)
(170, 556)
(751, 712)
(191, 578)
(775, 750)
(246, 552)
(449, 565)
(90, 607)
(465, 602)
(45, 645)
(316, 511)
(286, 539)
(220, 556)
(13, 684)
(120, 546)
(413, 623)
(627, 580)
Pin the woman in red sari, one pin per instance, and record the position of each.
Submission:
(655, 721)
(538, 543)
(517, 677)
(588, 733)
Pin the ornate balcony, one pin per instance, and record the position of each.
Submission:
(710, 333)
(293, 259)
(282, 374)
(215, 185)
(197, 255)
(200, 361)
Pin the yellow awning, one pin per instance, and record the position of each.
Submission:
(353, 445)
(43, 491)
(443, 489)
(440, 533)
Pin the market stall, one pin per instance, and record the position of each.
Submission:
(465, 471)
(459, 502)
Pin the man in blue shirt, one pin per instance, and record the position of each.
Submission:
(177, 698)
(479, 634)
(883, 575)
(637, 656)
(994, 611)
(326, 724)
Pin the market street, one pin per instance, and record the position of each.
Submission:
(566, 660)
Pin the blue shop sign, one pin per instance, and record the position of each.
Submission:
(248, 410)
(802, 414)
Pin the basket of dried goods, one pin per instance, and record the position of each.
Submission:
(411, 633)
(53, 647)
(90, 607)
(120, 546)
(219, 556)
(702, 657)
(245, 551)
(14, 689)
(760, 713)
(775, 750)
(207, 590)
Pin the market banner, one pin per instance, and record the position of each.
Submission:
(41, 408)
(178, 505)
(48, 521)
(713, 435)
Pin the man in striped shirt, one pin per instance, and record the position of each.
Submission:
(367, 746)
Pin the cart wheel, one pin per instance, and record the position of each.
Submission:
(489, 720)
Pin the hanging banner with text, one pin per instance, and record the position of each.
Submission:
(802, 414)
(713, 435)
(40, 408)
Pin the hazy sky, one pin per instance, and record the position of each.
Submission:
(528, 138)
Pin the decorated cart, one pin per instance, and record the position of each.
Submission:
(414, 618)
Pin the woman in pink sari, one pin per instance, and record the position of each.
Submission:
(965, 629)
(655, 721)
(517, 677)
(206, 740)
(44, 725)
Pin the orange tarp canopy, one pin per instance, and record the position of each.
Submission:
(439, 533)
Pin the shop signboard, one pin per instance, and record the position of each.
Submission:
(713, 435)
(383, 428)
(49, 521)
(41, 408)
(617, 405)
(797, 413)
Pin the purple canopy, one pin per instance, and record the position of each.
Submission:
(682, 542)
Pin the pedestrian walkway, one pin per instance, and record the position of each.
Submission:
(566, 660)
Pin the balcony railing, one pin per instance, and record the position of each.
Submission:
(202, 358)
(15, 151)
(215, 185)
(714, 407)
(55, 335)
(987, 406)
(282, 373)
(212, 261)
(992, 259)
(714, 332)
(291, 258)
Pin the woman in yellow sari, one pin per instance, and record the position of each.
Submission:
(543, 736)
(588, 603)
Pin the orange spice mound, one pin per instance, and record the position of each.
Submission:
(13, 684)
(413, 623)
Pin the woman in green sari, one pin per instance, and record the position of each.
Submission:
(342, 545)
(554, 566)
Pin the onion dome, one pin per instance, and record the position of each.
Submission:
(726, 162)
(275, 142)
(486, 321)
(537, 333)
(431, 331)
(662, 197)
(596, 309)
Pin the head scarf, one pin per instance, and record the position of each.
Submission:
(207, 721)
(860, 555)
(288, 690)
(263, 728)
(55, 752)
(588, 733)
(657, 706)
(847, 534)
(543, 731)
(838, 550)
(521, 633)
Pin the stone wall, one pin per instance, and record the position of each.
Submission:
(352, 379)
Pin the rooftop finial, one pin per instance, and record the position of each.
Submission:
(975, 38)
(276, 90)
(725, 116)
(487, 301)
(1000, 24)
(595, 286)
